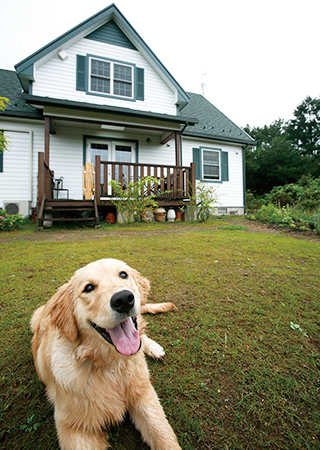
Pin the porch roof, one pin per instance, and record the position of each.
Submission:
(130, 114)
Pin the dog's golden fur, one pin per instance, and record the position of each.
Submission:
(89, 382)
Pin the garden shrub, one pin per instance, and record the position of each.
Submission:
(202, 201)
(10, 222)
(133, 200)
(305, 194)
(288, 215)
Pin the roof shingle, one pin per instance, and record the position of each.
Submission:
(213, 124)
(10, 88)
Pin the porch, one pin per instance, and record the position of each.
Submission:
(176, 185)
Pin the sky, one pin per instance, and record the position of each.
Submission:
(258, 59)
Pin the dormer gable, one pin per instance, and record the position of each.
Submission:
(108, 26)
(110, 33)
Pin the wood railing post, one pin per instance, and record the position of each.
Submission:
(40, 176)
(97, 180)
(193, 178)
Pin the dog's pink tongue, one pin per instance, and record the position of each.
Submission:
(125, 337)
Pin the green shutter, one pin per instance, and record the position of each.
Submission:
(81, 73)
(224, 166)
(196, 155)
(139, 84)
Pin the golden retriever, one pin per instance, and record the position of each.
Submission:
(88, 348)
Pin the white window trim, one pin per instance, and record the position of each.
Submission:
(202, 162)
(112, 63)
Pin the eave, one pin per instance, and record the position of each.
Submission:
(219, 137)
(105, 112)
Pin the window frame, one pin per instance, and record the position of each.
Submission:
(112, 78)
(203, 176)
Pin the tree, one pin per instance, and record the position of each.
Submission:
(304, 133)
(273, 162)
(3, 140)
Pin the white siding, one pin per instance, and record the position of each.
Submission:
(230, 193)
(19, 181)
(57, 79)
(15, 180)
(66, 159)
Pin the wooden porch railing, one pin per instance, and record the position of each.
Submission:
(176, 182)
(45, 179)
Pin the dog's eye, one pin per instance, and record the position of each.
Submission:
(123, 275)
(89, 288)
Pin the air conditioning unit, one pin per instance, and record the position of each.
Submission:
(14, 207)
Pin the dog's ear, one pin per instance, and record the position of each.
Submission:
(143, 285)
(60, 309)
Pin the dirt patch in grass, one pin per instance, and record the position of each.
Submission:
(226, 222)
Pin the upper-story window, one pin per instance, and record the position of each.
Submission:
(111, 78)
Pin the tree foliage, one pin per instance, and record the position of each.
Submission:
(304, 130)
(3, 140)
(285, 151)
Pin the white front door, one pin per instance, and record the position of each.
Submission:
(117, 151)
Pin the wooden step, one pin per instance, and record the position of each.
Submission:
(69, 204)
(50, 209)
(67, 219)
(60, 206)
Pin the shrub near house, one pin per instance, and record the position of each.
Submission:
(10, 222)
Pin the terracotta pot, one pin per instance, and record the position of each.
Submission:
(178, 216)
(111, 217)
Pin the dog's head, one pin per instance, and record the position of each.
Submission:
(101, 300)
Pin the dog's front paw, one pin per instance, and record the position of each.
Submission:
(156, 351)
(152, 348)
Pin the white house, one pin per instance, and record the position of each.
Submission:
(99, 94)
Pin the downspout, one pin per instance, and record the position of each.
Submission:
(244, 178)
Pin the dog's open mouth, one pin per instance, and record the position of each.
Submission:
(125, 336)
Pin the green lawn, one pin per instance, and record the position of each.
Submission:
(242, 361)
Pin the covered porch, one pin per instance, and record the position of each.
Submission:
(176, 182)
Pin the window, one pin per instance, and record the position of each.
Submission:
(101, 76)
(211, 165)
(108, 77)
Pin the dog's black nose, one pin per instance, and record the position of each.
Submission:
(122, 301)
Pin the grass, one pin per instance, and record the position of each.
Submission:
(237, 374)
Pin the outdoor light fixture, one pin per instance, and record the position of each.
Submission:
(112, 127)
(149, 140)
(63, 55)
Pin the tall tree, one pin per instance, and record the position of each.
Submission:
(273, 162)
(304, 133)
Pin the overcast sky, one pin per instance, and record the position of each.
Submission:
(261, 57)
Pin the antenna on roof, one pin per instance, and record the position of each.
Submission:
(203, 84)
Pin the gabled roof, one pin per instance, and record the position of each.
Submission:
(25, 68)
(213, 124)
(11, 89)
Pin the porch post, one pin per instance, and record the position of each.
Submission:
(46, 139)
(178, 149)
(97, 180)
